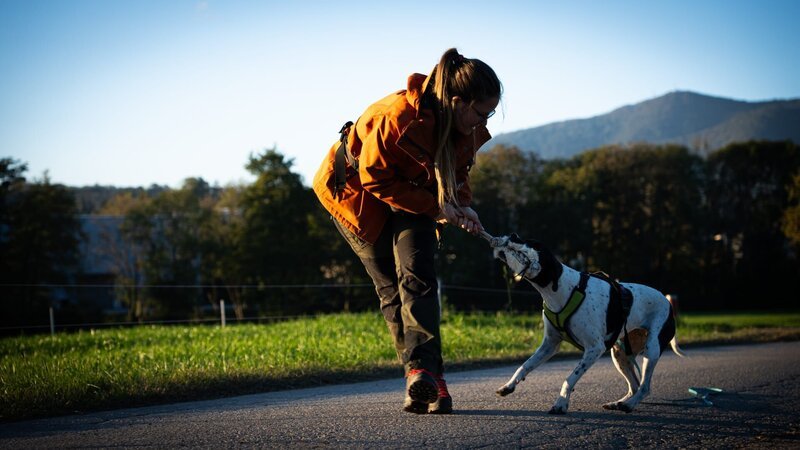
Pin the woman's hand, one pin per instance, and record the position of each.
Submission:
(450, 214)
(469, 220)
(465, 218)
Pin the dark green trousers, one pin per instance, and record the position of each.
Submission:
(401, 265)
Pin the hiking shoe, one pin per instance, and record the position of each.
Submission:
(444, 403)
(421, 386)
(414, 406)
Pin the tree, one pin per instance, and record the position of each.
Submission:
(222, 262)
(124, 254)
(275, 243)
(645, 211)
(505, 180)
(563, 213)
(505, 183)
(168, 231)
(39, 237)
(748, 195)
(791, 217)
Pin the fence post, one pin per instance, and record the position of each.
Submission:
(222, 311)
(52, 323)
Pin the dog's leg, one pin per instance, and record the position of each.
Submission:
(590, 356)
(548, 348)
(625, 367)
(652, 351)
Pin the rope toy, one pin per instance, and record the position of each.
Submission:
(494, 242)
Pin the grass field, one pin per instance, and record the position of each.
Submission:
(108, 368)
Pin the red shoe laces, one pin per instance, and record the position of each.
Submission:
(413, 372)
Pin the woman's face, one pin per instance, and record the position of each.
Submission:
(468, 115)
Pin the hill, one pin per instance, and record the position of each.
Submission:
(695, 120)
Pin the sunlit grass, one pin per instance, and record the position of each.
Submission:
(742, 326)
(44, 375)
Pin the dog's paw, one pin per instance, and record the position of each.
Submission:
(505, 390)
(618, 406)
(625, 408)
(557, 410)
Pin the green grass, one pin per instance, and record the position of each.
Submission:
(738, 327)
(107, 368)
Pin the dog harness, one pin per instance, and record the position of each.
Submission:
(559, 319)
(619, 306)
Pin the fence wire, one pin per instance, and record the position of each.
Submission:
(200, 321)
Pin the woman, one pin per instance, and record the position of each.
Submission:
(400, 169)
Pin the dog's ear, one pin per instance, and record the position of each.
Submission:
(516, 239)
(534, 244)
(551, 267)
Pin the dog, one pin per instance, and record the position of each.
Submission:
(647, 327)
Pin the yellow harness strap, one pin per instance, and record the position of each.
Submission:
(559, 319)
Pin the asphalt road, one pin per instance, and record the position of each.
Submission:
(758, 408)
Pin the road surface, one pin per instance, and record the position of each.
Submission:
(758, 408)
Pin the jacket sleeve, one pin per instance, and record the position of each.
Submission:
(379, 157)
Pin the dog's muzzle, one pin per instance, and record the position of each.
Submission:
(503, 252)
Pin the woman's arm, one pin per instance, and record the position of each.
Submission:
(379, 157)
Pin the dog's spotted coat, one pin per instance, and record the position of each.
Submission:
(650, 323)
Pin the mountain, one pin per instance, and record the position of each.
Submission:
(695, 120)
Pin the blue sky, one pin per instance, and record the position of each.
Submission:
(131, 93)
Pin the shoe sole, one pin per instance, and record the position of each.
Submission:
(442, 406)
(423, 391)
(416, 408)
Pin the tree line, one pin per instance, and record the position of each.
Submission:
(719, 231)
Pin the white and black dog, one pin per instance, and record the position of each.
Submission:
(590, 312)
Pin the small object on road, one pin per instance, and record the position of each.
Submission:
(704, 392)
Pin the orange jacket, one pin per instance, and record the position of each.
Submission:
(395, 142)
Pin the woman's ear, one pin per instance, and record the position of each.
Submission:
(455, 100)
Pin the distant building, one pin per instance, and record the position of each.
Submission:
(103, 257)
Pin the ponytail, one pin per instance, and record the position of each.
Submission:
(471, 80)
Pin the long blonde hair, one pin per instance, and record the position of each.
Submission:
(473, 81)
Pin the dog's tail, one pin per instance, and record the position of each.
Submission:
(673, 343)
(667, 336)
